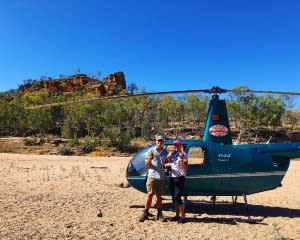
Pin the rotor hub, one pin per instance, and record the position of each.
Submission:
(216, 90)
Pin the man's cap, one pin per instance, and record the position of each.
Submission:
(159, 137)
(177, 142)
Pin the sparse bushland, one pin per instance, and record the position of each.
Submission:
(89, 126)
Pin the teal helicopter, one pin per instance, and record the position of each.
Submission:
(217, 167)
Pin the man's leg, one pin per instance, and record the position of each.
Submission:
(159, 201)
(159, 191)
(148, 201)
(145, 213)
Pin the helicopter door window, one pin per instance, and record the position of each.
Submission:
(196, 155)
(171, 148)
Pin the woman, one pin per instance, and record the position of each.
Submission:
(178, 165)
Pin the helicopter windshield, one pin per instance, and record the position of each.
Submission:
(137, 163)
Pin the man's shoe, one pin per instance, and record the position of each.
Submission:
(145, 216)
(160, 217)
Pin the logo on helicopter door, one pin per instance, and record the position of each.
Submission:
(218, 130)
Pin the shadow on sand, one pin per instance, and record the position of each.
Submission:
(239, 209)
(257, 212)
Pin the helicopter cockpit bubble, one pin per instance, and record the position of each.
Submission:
(136, 166)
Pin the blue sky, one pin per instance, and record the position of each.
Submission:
(159, 44)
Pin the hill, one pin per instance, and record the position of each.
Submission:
(76, 83)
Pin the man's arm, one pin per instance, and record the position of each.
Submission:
(149, 158)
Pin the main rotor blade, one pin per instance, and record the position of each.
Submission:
(213, 90)
(264, 92)
(117, 97)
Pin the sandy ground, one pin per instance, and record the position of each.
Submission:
(56, 197)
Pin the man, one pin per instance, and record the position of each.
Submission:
(178, 165)
(155, 160)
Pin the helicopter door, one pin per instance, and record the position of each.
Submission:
(197, 160)
(198, 168)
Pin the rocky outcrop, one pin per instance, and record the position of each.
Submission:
(113, 83)
(110, 85)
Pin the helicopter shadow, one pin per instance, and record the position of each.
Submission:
(227, 208)
(237, 212)
(224, 220)
(198, 219)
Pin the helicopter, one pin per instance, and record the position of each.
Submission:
(217, 167)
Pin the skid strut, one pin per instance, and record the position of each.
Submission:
(234, 199)
(247, 208)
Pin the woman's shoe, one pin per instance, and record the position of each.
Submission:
(181, 220)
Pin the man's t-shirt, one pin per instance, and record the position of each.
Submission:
(156, 169)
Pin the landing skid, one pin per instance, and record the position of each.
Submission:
(247, 209)
(234, 201)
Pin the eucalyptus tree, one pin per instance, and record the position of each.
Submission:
(92, 117)
(15, 115)
(166, 112)
(254, 112)
(73, 124)
(179, 110)
(132, 88)
(116, 118)
(291, 119)
(272, 109)
(4, 115)
(196, 108)
(44, 120)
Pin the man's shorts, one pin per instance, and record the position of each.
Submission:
(155, 186)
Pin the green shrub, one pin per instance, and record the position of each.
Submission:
(29, 141)
(4, 149)
(64, 150)
(89, 144)
(73, 142)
